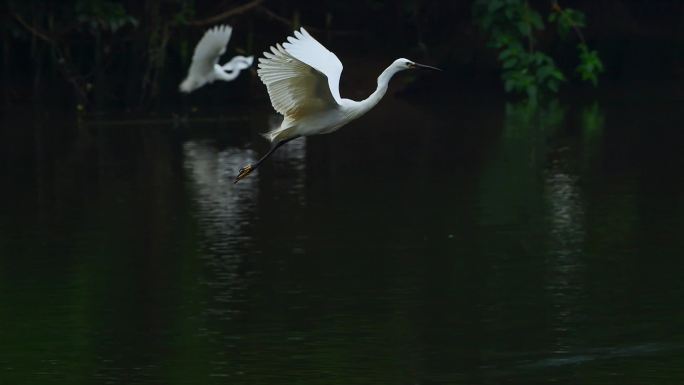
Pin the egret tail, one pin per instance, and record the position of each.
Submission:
(284, 132)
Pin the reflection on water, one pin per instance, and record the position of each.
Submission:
(532, 253)
(575, 358)
(565, 218)
(290, 161)
(224, 211)
(564, 274)
(224, 207)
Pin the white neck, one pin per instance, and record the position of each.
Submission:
(222, 74)
(383, 81)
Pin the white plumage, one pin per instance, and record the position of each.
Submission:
(205, 68)
(238, 63)
(302, 78)
(312, 53)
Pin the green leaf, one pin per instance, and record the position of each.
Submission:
(553, 85)
(505, 54)
(544, 72)
(536, 20)
(590, 64)
(511, 26)
(494, 5)
(509, 84)
(557, 74)
(510, 63)
(524, 28)
(509, 12)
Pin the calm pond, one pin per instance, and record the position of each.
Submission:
(479, 243)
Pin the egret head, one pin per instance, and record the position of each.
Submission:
(406, 64)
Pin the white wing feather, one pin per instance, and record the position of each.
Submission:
(207, 53)
(308, 50)
(297, 88)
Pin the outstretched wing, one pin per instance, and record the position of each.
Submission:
(308, 50)
(295, 86)
(207, 52)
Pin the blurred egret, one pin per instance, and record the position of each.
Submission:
(205, 68)
(302, 78)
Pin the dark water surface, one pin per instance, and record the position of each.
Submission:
(478, 244)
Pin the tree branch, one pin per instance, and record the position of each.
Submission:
(290, 24)
(557, 8)
(62, 57)
(275, 16)
(35, 32)
(231, 12)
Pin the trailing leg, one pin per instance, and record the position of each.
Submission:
(249, 168)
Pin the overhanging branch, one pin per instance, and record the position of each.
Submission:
(35, 32)
(222, 16)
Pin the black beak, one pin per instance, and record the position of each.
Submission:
(426, 67)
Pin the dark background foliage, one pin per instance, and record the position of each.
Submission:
(103, 54)
(456, 234)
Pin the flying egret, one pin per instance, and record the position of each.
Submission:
(205, 68)
(302, 78)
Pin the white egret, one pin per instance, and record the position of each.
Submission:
(302, 78)
(205, 68)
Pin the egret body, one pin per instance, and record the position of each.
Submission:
(205, 68)
(302, 78)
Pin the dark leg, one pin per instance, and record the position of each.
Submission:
(249, 168)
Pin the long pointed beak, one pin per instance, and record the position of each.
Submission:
(427, 67)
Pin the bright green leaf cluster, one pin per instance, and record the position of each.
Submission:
(511, 26)
(567, 19)
(590, 64)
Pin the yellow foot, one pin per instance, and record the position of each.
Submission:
(243, 172)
